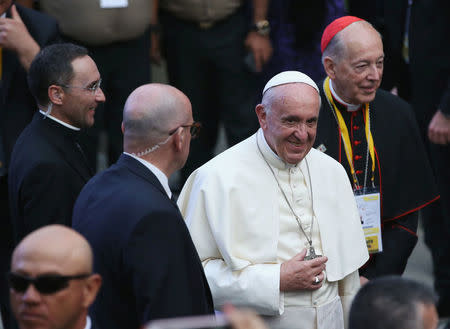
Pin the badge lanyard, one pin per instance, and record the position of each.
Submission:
(367, 200)
(346, 137)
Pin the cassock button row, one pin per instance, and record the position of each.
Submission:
(357, 157)
(355, 127)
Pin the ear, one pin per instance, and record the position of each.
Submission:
(330, 67)
(55, 94)
(90, 289)
(178, 138)
(262, 115)
(123, 128)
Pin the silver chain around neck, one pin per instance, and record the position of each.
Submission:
(309, 239)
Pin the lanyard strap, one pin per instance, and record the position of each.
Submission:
(345, 135)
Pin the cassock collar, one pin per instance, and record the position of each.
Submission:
(88, 323)
(273, 159)
(65, 124)
(349, 107)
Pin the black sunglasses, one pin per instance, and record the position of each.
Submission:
(45, 284)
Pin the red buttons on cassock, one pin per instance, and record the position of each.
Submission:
(357, 157)
(355, 127)
(356, 143)
(359, 172)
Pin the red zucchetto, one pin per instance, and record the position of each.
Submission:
(334, 27)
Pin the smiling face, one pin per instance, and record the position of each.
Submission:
(290, 124)
(79, 104)
(357, 74)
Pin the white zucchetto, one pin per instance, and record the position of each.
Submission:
(289, 77)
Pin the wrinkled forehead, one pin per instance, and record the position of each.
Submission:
(297, 92)
(362, 38)
(295, 99)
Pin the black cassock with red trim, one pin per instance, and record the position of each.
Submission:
(402, 171)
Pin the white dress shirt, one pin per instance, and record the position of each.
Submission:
(162, 178)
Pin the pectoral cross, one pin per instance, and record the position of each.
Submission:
(312, 254)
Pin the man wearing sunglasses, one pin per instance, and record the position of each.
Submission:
(48, 166)
(141, 245)
(51, 280)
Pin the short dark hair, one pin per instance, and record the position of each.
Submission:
(390, 302)
(52, 66)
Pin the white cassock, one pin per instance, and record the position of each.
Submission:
(243, 230)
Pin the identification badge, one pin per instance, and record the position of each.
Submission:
(113, 3)
(368, 202)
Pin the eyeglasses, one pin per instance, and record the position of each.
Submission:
(93, 89)
(46, 284)
(194, 129)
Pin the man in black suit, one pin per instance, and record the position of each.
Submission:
(48, 167)
(51, 280)
(23, 31)
(141, 245)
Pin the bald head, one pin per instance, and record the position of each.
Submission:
(151, 112)
(51, 278)
(55, 244)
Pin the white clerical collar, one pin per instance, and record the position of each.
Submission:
(88, 323)
(156, 171)
(59, 121)
(350, 107)
(271, 157)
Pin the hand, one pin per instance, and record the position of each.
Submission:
(439, 129)
(14, 36)
(299, 274)
(363, 280)
(243, 319)
(260, 47)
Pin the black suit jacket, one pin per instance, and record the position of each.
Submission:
(17, 105)
(47, 173)
(142, 249)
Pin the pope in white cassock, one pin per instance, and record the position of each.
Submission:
(274, 221)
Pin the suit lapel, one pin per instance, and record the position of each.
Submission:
(140, 170)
